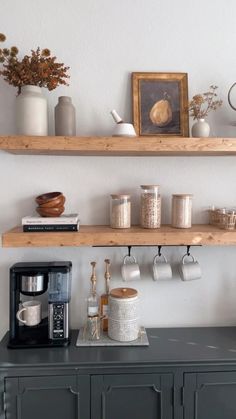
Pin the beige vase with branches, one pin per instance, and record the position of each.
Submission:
(201, 128)
(31, 112)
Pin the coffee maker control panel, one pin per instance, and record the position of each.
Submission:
(58, 321)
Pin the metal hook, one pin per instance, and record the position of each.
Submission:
(159, 250)
(188, 250)
(129, 250)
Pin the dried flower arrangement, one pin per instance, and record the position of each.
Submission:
(201, 104)
(38, 69)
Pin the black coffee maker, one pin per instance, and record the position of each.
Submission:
(43, 280)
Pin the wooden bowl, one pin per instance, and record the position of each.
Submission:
(50, 212)
(53, 203)
(46, 197)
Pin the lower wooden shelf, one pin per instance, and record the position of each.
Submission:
(199, 234)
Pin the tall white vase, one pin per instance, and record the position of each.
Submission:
(31, 112)
(201, 128)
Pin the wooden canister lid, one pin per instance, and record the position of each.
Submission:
(182, 195)
(123, 293)
(120, 196)
(150, 186)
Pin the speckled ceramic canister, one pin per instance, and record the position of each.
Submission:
(65, 123)
(123, 314)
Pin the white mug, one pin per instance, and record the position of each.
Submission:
(189, 270)
(31, 312)
(161, 269)
(130, 271)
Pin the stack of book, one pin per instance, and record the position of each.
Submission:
(66, 222)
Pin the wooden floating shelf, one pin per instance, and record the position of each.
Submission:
(106, 236)
(119, 146)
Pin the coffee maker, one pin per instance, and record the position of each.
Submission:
(49, 282)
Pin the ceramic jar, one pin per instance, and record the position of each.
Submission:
(201, 128)
(31, 112)
(123, 314)
(65, 123)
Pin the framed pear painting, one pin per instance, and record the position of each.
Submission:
(160, 104)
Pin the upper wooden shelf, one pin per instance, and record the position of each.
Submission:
(106, 236)
(119, 146)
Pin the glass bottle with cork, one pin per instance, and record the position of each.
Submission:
(104, 298)
(93, 317)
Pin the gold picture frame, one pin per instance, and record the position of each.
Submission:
(160, 104)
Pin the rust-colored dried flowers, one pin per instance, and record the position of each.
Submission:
(201, 104)
(38, 69)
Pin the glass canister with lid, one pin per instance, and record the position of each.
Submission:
(182, 210)
(120, 211)
(150, 210)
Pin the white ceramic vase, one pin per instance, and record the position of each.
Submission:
(31, 112)
(201, 128)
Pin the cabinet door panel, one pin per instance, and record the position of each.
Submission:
(210, 395)
(135, 396)
(46, 397)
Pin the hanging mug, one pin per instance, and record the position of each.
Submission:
(189, 270)
(130, 271)
(161, 268)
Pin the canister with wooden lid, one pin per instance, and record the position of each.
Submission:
(120, 211)
(123, 314)
(150, 208)
(182, 210)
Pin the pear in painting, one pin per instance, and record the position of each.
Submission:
(161, 112)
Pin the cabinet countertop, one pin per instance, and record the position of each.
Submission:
(168, 346)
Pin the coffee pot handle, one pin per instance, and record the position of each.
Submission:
(18, 315)
(229, 96)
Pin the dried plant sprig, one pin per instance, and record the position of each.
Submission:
(39, 68)
(201, 104)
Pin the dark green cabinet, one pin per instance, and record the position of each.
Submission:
(60, 397)
(139, 396)
(186, 373)
(210, 395)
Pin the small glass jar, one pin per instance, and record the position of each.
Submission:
(93, 328)
(182, 210)
(150, 211)
(120, 211)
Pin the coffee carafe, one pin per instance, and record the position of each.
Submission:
(34, 285)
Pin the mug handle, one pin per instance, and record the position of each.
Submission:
(191, 256)
(159, 256)
(18, 315)
(128, 257)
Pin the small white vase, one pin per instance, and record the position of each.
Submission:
(31, 112)
(201, 128)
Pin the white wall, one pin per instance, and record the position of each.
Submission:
(103, 42)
